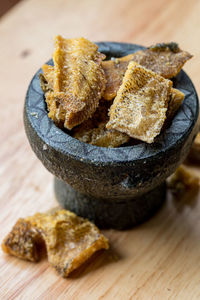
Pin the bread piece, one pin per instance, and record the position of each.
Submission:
(164, 59)
(140, 106)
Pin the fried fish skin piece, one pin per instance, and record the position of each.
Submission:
(70, 240)
(197, 141)
(24, 241)
(56, 111)
(194, 154)
(163, 59)
(114, 70)
(79, 79)
(140, 106)
(93, 131)
(48, 73)
(55, 108)
(100, 136)
(43, 83)
(176, 99)
(182, 179)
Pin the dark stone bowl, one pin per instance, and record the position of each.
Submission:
(114, 187)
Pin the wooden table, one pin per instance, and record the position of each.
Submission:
(161, 258)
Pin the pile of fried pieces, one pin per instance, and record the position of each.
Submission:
(104, 103)
(108, 103)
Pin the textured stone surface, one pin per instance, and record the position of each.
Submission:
(109, 213)
(111, 173)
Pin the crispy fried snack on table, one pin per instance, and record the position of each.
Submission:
(69, 239)
(140, 106)
(24, 241)
(94, 131)
(182, 179)
(164, 59)
(76, 81)
(194, 154)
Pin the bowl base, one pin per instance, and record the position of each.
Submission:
(107, 213)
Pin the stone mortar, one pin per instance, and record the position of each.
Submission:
(113, 187)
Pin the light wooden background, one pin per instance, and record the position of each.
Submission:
(158, 260)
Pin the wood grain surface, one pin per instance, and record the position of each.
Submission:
(157, 260)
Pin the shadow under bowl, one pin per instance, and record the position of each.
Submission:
(113, 187)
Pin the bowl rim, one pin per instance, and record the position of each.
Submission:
(53, 137)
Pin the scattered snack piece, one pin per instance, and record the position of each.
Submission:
(140, 106)
(163, 59)
(69, 239)
(194, 154)
(77, 81)
(176, 99)
(24, 241)
(94, 131)
(182, 179)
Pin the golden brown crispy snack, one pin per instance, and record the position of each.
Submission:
(79, 79)
(47, 78)
(182, 179)
(48, 72)
(194, 154)
(176, 99)
(140, 106)
(56, 111)
(24, 241)
(114, 72)
(196, 143)
(94, 131)
(69, 239)
(164, 59)
(100, 136)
